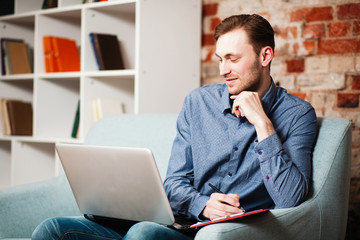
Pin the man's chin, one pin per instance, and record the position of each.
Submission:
(234, 91)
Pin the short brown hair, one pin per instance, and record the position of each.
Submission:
(258, 29)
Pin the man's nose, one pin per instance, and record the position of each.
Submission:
(224, 68)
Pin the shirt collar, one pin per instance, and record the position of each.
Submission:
(225, 100)
(269, 98)
(267, 101)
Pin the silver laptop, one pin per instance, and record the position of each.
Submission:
(116, 182)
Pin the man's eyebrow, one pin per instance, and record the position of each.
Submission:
(227, 55)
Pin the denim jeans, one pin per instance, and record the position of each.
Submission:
(83, 228)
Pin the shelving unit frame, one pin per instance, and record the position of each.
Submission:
(160, 42)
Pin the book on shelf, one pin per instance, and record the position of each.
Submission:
(107, 51)
(7, 7)
(60, 54)
(49, 4)
(50, 60)
(20, 117)
(75, 129)
(15, 54)
(5, 124)
(103, 107)
(16, 117)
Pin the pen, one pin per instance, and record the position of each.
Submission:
(219, 191)
(215, 188)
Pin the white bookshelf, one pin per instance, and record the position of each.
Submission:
(160, 43)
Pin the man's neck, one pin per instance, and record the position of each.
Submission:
(264, 85)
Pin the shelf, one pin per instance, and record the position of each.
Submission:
(48, 24)
(70, 3)
(55, 105)
(23, 18)
(17, 89)
(17, 77)
(21, 27)
(5, 163)
(161, 54)
(111, 73)
(26, 6)
(59, 75)
(23, 168)
(120, 15)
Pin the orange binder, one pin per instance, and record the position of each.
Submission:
(50, 61)
(66, 54)
(61, 54)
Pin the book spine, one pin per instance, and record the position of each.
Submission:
(49, 57)
(92, 39)
(76, 122)
(8, 66)
(4, 118)
(3, 70)
(19, 58)
(99, 53)
(55, 53)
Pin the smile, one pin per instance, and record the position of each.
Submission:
(230, 79)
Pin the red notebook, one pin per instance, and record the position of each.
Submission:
(228, 218)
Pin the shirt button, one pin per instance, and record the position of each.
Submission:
(267, 177)
(236, 148)
(230, 174)
(260, 152)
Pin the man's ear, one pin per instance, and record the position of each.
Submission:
(266, 55)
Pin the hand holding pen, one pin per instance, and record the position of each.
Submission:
(218, 191)
(220, 205)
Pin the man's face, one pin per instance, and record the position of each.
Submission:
(238, 62)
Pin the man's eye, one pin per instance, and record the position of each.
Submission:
(234, 59)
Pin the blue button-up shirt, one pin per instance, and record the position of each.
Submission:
(214, 146)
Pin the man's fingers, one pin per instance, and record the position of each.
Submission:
(225, 203)
(229, 199)
(236, 107)
(236, 110)
(236, 197)
(220, 205)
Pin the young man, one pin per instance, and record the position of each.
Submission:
(250, 139)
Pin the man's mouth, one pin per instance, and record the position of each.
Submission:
(230, 79)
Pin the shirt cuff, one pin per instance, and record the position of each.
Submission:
(198, 206)
(268, 147)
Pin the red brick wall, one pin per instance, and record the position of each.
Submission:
(317, 57)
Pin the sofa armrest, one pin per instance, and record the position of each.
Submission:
(276, 224)
(23, 207)
(323, 215)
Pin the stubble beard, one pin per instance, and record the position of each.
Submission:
(249, 82)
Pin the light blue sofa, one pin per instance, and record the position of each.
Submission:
(322, 216)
